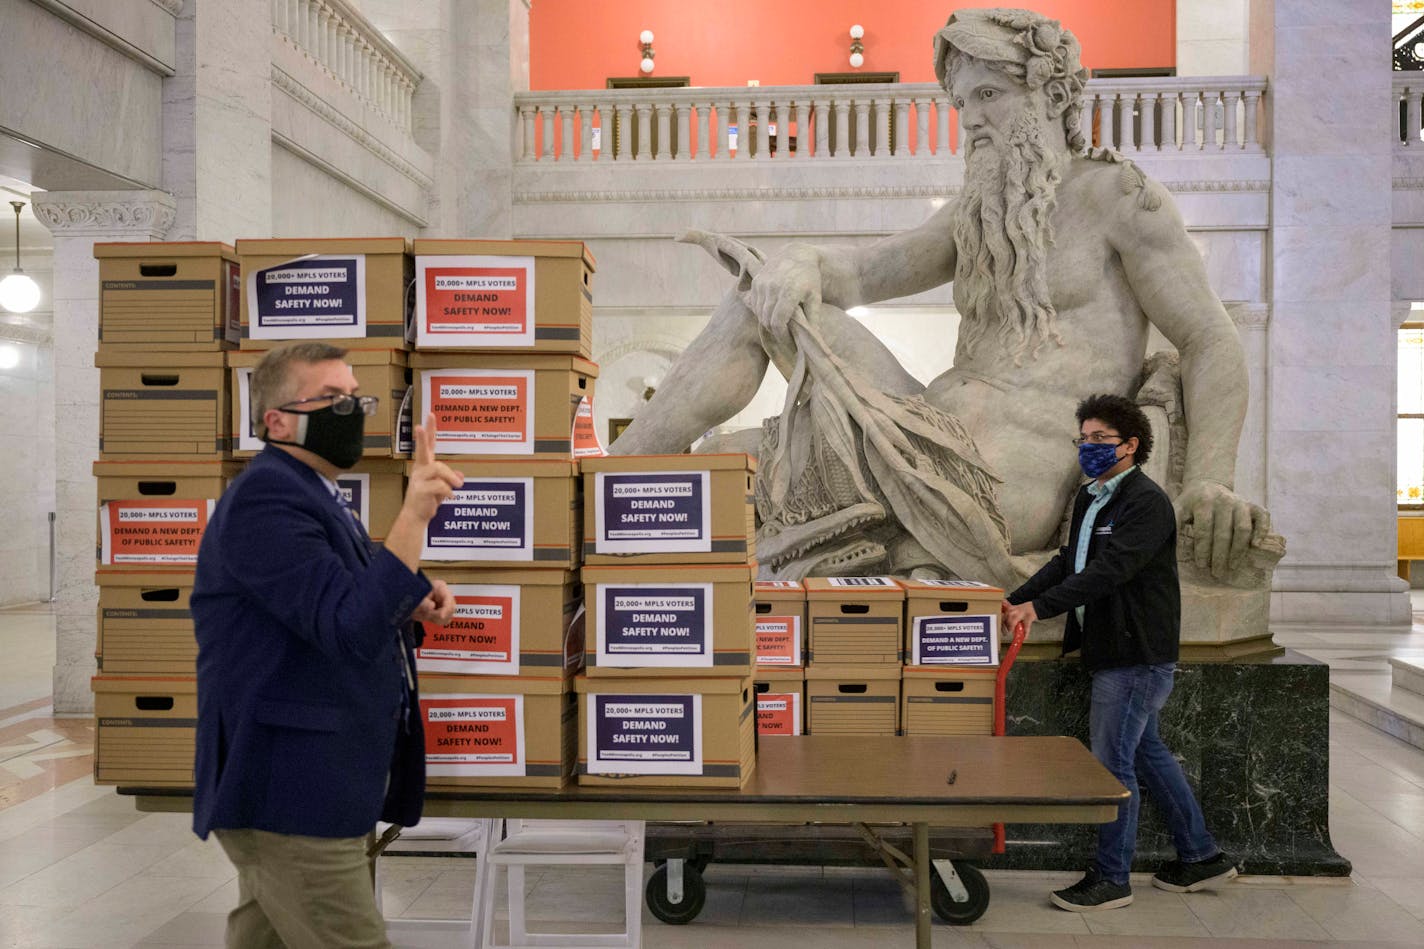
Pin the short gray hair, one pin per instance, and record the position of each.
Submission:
(272, 384)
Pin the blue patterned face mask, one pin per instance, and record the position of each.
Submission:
(1095, 460)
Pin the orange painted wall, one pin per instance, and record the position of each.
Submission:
(577, 44)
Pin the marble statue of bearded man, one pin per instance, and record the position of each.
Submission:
(1061, 256)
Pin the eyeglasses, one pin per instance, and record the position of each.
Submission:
(1097, 438)
(340, 404)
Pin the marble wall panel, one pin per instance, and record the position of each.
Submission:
(144, 24)
(1406, 250)
(307, 202)
(26, 470)
(1334, 190)
(113, 124)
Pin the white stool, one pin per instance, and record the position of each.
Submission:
(439, 836)
(561, 843)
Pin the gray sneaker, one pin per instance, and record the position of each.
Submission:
(1180, 877)
(1092, 893)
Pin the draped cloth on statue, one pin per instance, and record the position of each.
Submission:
(847, 469)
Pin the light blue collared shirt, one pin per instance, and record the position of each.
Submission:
(1102, 494)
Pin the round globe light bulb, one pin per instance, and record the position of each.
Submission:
(19, 293)
(9, 357)
(857, 60)
(645, 37)
(857, 32)
(647, 64)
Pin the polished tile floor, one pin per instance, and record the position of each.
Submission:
(80, 868)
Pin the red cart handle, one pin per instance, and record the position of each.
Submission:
(1006, 663)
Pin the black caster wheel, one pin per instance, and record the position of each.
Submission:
(694, 896)
(952, 911)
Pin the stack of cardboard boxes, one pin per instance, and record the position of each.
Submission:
(352, 293)
(667, 697)
(780, 657)
(951, 657)
(502, 332)
(167, 315)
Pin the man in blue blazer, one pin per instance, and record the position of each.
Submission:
(1117, 581)
(308, 726)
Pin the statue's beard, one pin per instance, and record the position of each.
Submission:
(1001, 234)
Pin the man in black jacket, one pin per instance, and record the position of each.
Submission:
(1117, 580)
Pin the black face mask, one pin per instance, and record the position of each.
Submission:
(338, 439)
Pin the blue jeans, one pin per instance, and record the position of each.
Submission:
(1123, 728)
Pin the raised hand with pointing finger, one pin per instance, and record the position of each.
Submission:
(431, 482)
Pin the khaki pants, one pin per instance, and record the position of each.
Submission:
(301, 893)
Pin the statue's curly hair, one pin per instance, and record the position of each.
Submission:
(1027, 47)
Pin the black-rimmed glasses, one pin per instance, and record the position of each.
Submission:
(1097, 438)
(340, 404)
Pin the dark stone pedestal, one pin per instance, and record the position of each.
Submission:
(1253, 736)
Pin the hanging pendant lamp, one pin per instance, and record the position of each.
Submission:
(18, 292)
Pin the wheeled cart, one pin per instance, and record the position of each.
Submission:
(959, 892)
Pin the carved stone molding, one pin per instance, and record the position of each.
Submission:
(823, 193)
(1249, 315)
(142, 214)
(1408, 184)
(172, 7)
(320, 107)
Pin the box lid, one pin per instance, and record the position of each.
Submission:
(473, 467)
(184, 685)
(852, 672)
(777, 591)
(355, 355)
(159, 468)
(950, 589)
(379, 466)
(671, 573)
(821, 588)
(435, 684)
(153, 359)
(437, 247)
(779, 674)
(524, 577)
(298, 247)
(948, 672)
(693, 462)
(158, 250)
(706, 685)
(555, 361)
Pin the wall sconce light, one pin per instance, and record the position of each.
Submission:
(857, 49)
(18, 292)
(645, 40)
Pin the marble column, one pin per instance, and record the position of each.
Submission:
(217, 121)
(78, 219)
(1331, 342)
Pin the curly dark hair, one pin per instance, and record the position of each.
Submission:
(1122, 415)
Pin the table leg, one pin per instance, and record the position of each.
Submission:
(922, 886)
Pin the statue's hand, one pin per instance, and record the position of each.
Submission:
(789, 279)
(1222, 526)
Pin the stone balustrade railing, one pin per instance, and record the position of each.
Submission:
(336, 37)
(1409, 94)
(863, 121)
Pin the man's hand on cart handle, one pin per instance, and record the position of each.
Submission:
(1013, 615)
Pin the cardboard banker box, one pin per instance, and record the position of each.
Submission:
(855, 619)
(507, 623)
(508, 513)
(947, 701)
(666, 732)
(951, 623)
(502, 405)
(174, 296)
(145, 730)
(145, 626)
(334, 289)
(781, 701)
(780, 624)
(515, 731)
(669, 509)
(152, 513)
(515, 296)
(670, 621)
(852, 700)
(382, 373)
(162, 404)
